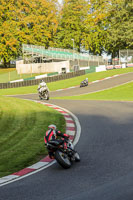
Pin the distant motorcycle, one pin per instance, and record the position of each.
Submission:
(84, 83)
(44, 94)
(64, 157)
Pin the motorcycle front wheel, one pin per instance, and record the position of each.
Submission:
(63, 159)
(47, 95)
(77, 157)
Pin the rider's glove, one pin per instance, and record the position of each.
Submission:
(67, 136)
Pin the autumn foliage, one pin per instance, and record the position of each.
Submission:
(96, 25)
(25, 21)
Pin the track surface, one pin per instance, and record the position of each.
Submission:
(106, 149)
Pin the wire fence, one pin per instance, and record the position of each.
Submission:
(126, 56)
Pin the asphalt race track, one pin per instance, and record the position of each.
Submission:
(105, 146)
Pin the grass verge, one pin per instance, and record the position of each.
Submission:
(10, 74)
(22, 127)
(66, 83)
(119, 93)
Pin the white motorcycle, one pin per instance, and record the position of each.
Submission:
(43, 94)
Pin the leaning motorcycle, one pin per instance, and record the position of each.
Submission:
(65, 157)
(84, 83)
(44, 95)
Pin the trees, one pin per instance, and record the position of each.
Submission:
(120, 26)
(97, 25)
(8, 40)
(109, 26)
(71, 23)
(25, 21)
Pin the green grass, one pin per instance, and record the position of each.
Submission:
(19, 90)
(120, 93)
(66, 83)
(22, 127)
(23, 123)
(91, 77)
(10, 74)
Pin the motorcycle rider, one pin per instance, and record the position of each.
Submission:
(52, 134)
(86, 80)
(42, 87)
(84, 83)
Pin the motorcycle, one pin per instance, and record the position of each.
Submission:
(84, 83)
(64, 157)
(44, 94)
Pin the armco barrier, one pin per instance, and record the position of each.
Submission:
(46, 79)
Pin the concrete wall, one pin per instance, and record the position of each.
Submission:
(41, 67)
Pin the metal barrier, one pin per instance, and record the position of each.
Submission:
(46, 79)
(55, 53)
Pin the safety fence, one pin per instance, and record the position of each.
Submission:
(46, 79)
(55, 53)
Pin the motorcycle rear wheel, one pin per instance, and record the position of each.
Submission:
(63, 159)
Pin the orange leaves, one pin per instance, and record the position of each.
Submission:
(26, 21)
(99, 17)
